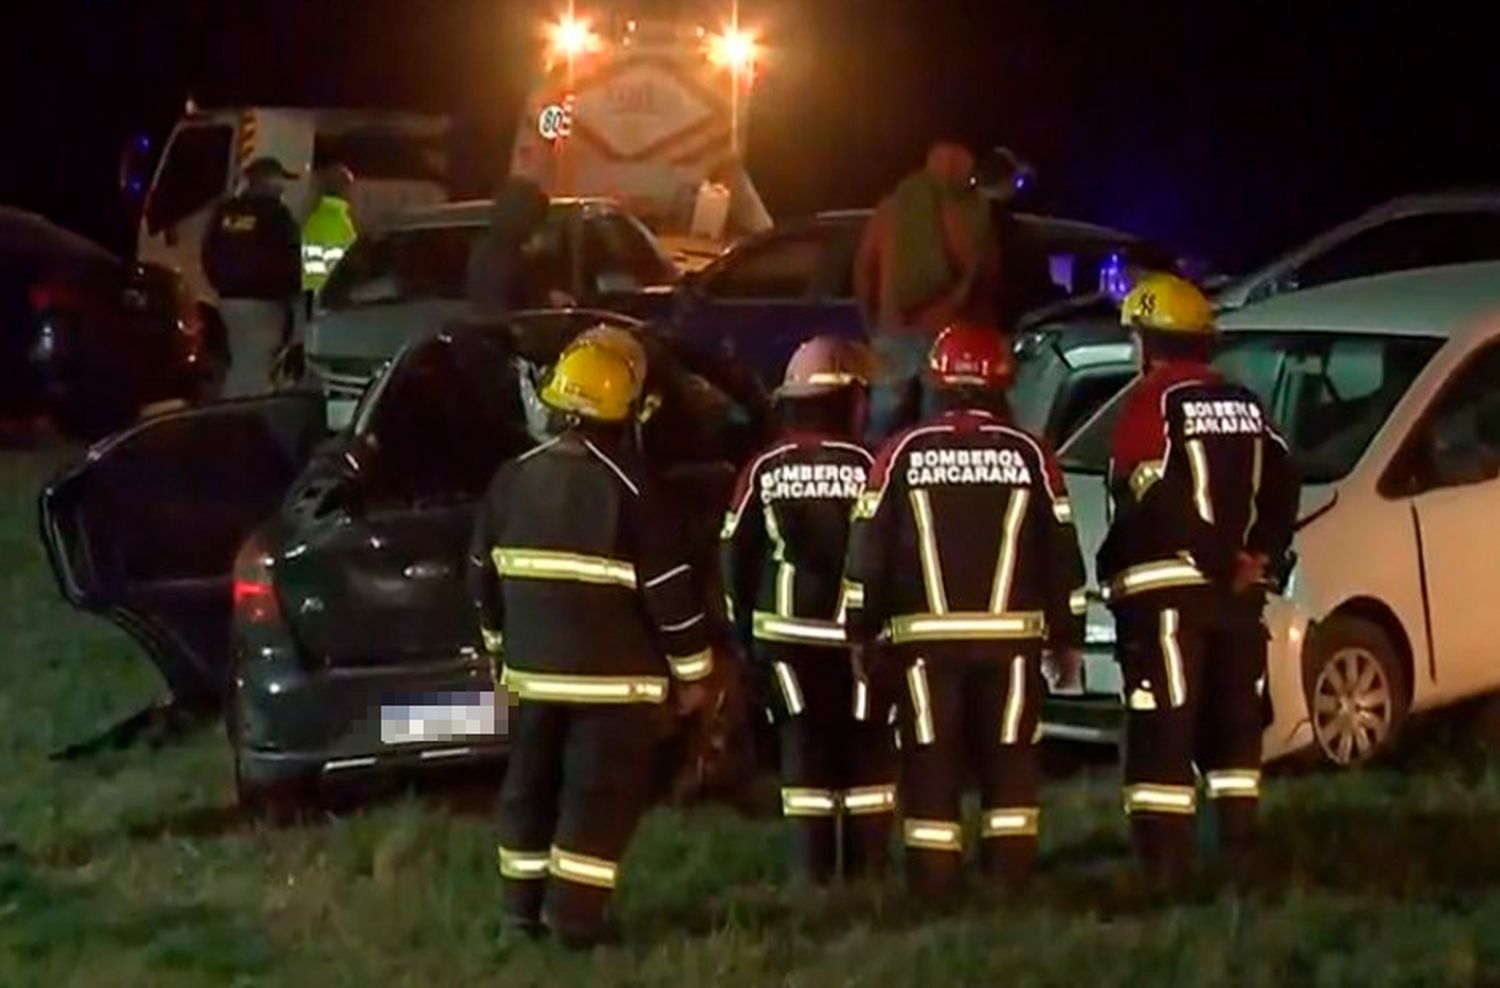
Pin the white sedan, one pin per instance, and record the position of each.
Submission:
(1388, 392)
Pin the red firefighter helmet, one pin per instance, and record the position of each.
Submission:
(969, 354)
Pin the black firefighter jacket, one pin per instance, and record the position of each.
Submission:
(964, 534)
(1197, 475)
(580, 570)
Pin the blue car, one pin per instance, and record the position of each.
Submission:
(771, 292)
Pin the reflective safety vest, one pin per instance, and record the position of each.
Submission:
(964, 533)
(326, 235)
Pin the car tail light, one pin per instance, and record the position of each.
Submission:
(255, 600)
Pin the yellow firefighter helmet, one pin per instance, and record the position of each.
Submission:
(1166, 303)
(593, 381)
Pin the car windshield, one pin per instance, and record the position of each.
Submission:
(1329, 392)
(403, 266)
(416, 264)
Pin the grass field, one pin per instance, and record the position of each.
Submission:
(131, 869)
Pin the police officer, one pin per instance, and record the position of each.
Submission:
(583, 586)
(1203, 506)
(251, 256)
(963, 553)
(328, 230)
(784, 546)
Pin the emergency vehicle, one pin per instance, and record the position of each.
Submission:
(652, 115)
(400, 159)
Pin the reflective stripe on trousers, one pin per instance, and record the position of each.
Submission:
(523, 865)
(582, 869)
(932, 835)
(1147, 797)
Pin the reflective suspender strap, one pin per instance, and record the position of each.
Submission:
(786, 573)
(555, 688)
(921, 701)
(808, 802)
(861, 700)
(1202, 492)
(1005, 563)
(969, 626)
(1171, 654)
(932, 567)
(1148, 798)
(523, 865)
(1257, 467)
(790, 691)
(933, 835)
(1233, 784)
(1015, 702)
(582, 869)
(801, 631)
(870, 800)
(541, 564)
(1010, 821)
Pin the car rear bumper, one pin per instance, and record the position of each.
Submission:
(296, 723)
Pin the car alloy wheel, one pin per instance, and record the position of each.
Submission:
(1353, 708)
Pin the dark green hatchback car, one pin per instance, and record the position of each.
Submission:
(311, 586)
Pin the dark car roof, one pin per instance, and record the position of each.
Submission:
(1053, 226)
(26, 233)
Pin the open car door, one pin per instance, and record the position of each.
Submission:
(144, 530)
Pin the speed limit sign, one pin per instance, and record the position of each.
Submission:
(555, 122)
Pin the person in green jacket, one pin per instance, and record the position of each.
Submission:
(328, 230)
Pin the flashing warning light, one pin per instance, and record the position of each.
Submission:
(570, 38)
(734, 49)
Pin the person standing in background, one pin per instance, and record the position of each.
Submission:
(328, 230)
(928, 259)
(252, 257)
(502, 276)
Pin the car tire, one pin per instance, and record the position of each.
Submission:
(1357, 694)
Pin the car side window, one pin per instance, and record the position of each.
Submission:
(1084, 397)
(446, 420)
(1404, 244)
(192, 177)
(783, 268)
(1458, 441)
(551, 253)
(620, 257)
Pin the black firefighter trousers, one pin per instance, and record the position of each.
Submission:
(1192, 672)
(838, 773)
(577, 783)
(970, 709)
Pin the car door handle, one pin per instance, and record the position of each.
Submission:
(427, 571)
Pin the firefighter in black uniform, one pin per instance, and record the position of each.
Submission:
(1204, 502)
(583, 585)
(963, 553)
(784, 546)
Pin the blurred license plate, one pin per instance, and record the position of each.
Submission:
(442, 717)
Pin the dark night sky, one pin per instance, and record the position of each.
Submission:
(1227, 128)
